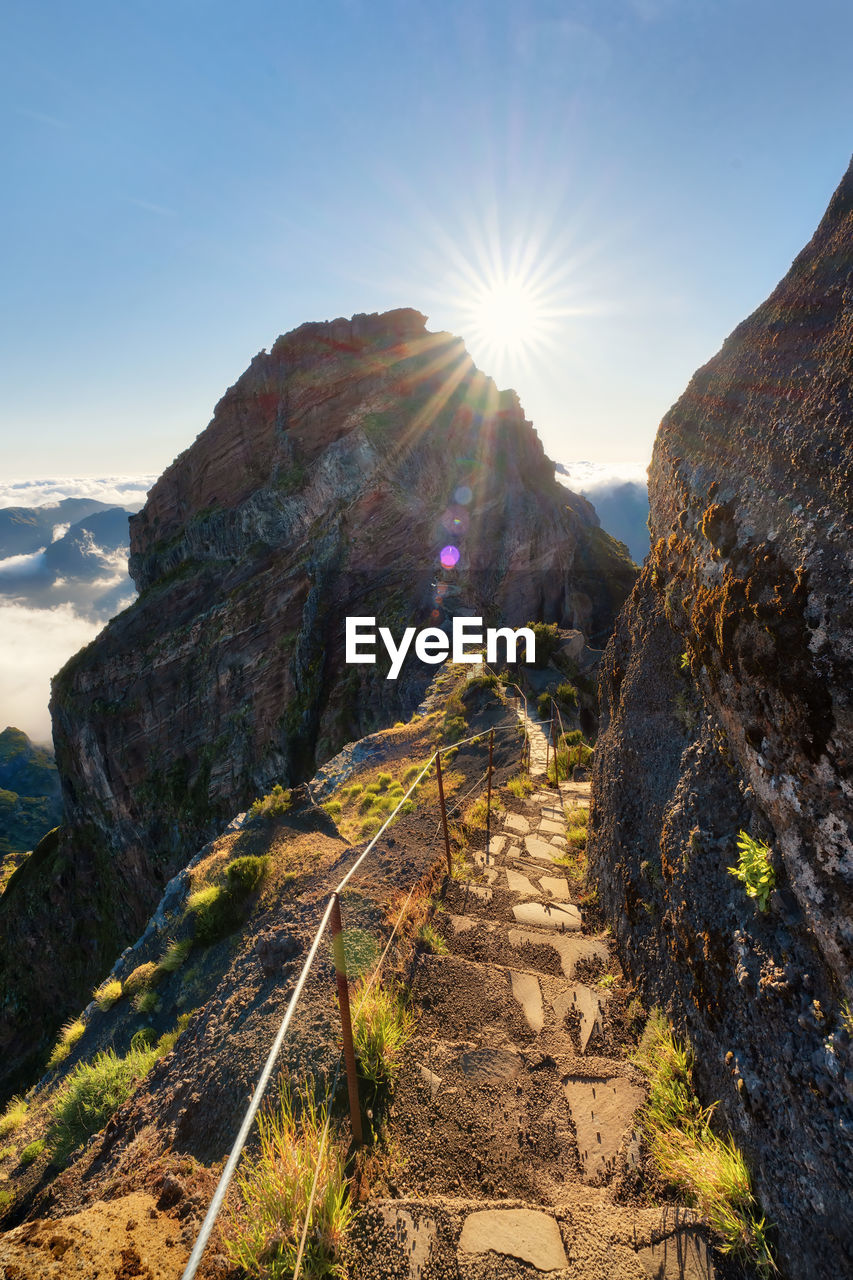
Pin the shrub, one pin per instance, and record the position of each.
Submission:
(454, 728)
(547, 641)
(384, 780)
(579, 817)
(754, 869)
(106, 995)
(262, 1235)
(142, 977)
(382, 1027)
(147, 1002)
(708, 1169)
(520, 786)
(68, 1037)
(543, 706)
(93, 1092)
(219, 909)
(566, 696)
(488, 681)
(576, 837)
(32, 1152)
(366, 802)
(332, 807)
(273, 805)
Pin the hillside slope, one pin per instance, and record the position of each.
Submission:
(331, 478)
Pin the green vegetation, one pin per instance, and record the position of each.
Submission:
(92, 1093)
(14, 1115)
(520, 786)
(139, 981)
(174, 956)
(68, 1037)
(219, 908)
(567, 757)
(382, 1027)
(431, 940)
(547, 641)
(754, 869)
(32, 1152)
(262, 1235)
(106, 994)
(708, 1169)
(273, 805)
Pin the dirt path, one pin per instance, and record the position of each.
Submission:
(514, 1125)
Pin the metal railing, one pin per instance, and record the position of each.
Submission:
(331, 915)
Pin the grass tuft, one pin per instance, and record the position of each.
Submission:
(273, 805)
(32, 1152)
(431, 940)
(106, 994)
(262, 1233)
(520, 786)
(14, 1115)
(754, 869)
(707, 1168)
(174, 956)
(382, 1027)
(68, 1037)
(92, 1093)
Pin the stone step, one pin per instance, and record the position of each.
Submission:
(428, 1237)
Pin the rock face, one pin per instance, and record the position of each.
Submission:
(332, 476)
(726, 706)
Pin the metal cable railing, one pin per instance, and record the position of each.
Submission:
(331, 914)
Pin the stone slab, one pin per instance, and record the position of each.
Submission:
(588, 1005)
(562, 916)
(556, 887)
(496, 846)
(515, 822)
(559, 842)
(519, 883)
(413, 1239)
(550, 828)
(537, 848)
(461, 924)
(570, 948)
(480, 891)
(430, 1079)
(602, 1111)
(552, 813)
(527, 1234)
(493, 1066)
(681, 1256)
(528, 993)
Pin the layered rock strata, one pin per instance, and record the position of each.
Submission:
(334, 474)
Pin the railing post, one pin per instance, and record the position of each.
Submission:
(489, 792)
(346, 1018)
(443, 811)
(548, 750)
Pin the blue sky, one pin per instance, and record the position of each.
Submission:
(186, 180)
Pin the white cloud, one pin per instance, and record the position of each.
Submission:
(23, 566)
(120, 491)
(587, 477)
(34, 644)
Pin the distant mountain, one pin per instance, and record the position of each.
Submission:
(74, 552)
(30, 803)
(620, 496)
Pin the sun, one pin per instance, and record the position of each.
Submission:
(509, 317)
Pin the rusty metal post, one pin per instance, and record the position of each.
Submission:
(548, 747)
(346, 1018)
(443, 812)
(489, 792)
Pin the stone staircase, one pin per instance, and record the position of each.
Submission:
(515, 1124)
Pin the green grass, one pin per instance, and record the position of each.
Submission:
(142, 977)
(106, 994)
(707, 1169)
(262, 1233)
(382, 1027)
(174, 956)
(332, 807)
(92, 1093)
(68, 1037)
(361, 951)
(219, 908)
(273, 805)
(431, 940)
(520, 786)
(14, 1115)
(32, 1152)
(754, 869)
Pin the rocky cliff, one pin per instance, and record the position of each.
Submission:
(726, 707)
(332, 476)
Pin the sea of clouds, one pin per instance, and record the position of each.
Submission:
(37, 636)
(620, 496)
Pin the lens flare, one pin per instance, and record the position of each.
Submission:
(449, 556)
